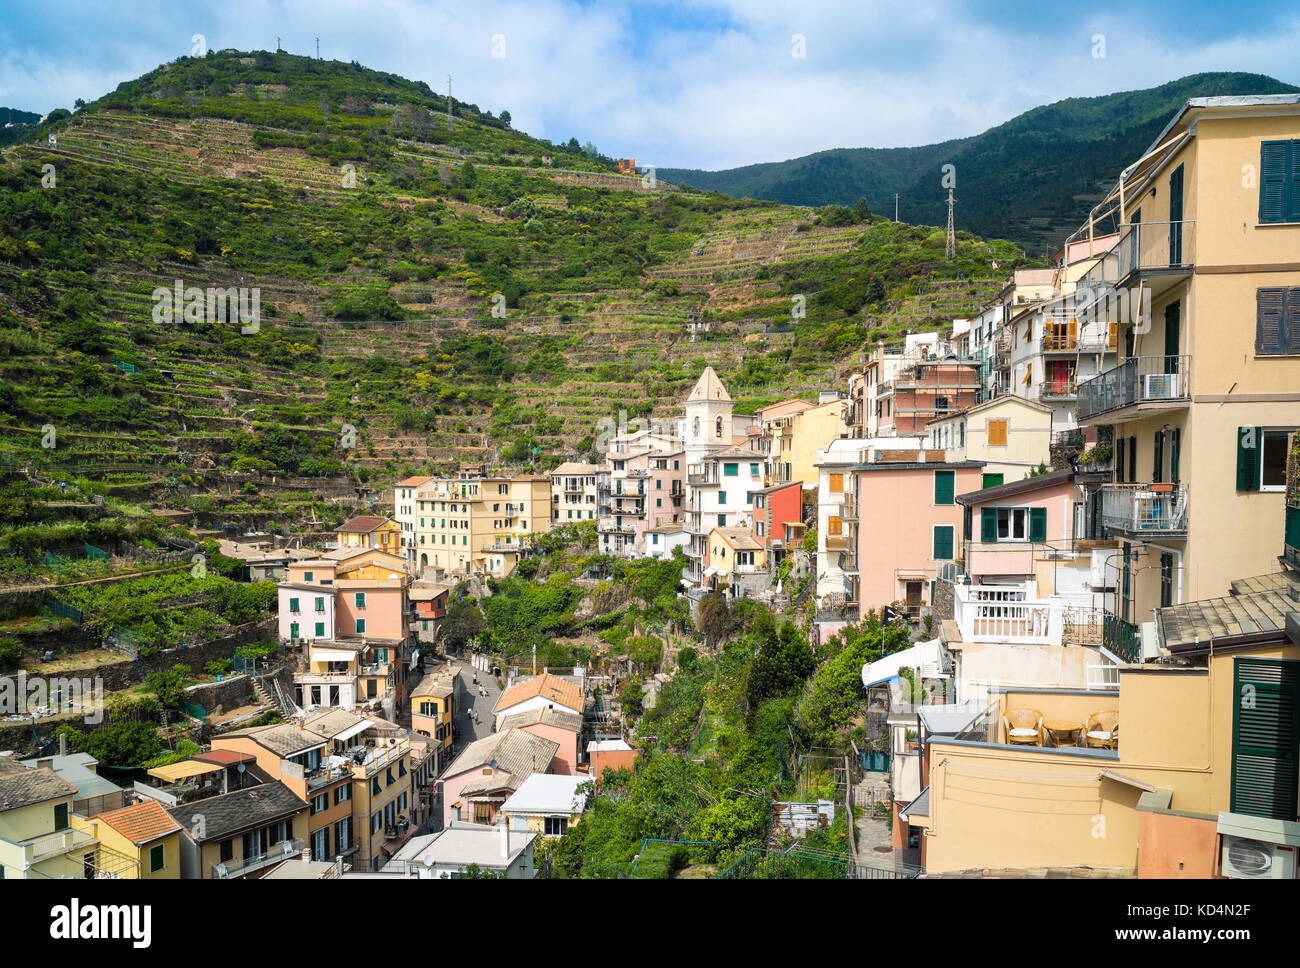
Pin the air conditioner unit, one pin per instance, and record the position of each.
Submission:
(1258, 848)
(1257, 860)
(1160, 386)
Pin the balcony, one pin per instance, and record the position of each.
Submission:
(1062, 388)
(1064, 335)
(1155, 251)
(848, 511)
(1006, 613)
(839, 542)
(1142, 382)
(242, 868)
(699, 474)
(608, 526)
(377, 758)
(1145, 510)
(1121, 638)
(504, 547)
(44, 846)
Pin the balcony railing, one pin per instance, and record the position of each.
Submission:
(1121, 638)
(1153, 246)
(1005, 613)
(848, 511)
(239, 868)
(1138, 380)
(1059, 388)
(1138, 509)
(44, 846)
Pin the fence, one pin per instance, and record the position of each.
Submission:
(763, 863)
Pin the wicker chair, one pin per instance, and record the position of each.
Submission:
(1102, 730)
(1023, 727)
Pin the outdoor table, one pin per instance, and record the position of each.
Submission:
(1056, 728)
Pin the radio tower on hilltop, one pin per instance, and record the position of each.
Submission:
(950, 242)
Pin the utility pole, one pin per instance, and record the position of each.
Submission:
(449, 121)
(950, 246)
(277, 43)
(895, 206)
(534, 658)
(318, 48)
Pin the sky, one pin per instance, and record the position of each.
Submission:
(689, 84)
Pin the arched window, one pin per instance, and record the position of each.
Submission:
(718, 425)
(695, 427)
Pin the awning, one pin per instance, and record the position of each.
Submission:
(175, 772)
(883, 670)
(920, 807)
(333, 655)
(353, 730)
(710, 572)
(1127, 780)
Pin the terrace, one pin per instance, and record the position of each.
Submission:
(1143, 383)
(242, 868)
(1006, 614)
(1151, 510)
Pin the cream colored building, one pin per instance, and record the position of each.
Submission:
(479, 524)
(574, 490)
(1206, 394)
(1010, 434)
(793, 440)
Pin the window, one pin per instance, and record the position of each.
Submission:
(1277, 321)
(376, 819)
(293, 606)
(834, 525)
(320, 803)
(1261, 459)
(293, 630)
(1279, 181)
(361, 599)
(555, 826)
(320, 630)
(60, 816)
(342, 793)
(717, 432)
(1120, 446)
(944, 486)
(320, 604)
(722, 498)
(997, 433)
(991, 480)
(361, 626)
(943, 541)
(730, 470)
(1013, 524)
(1166, 579)
(837, 483)
(306, 576)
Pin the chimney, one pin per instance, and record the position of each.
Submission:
(505, 838)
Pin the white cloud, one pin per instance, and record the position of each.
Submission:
(701, 84)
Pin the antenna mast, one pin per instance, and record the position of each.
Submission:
(950, 243)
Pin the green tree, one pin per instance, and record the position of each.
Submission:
(463, 622)
(713, 618)
(169, 685)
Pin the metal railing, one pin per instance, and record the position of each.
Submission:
(1139, 379)
(1138, 508)
(1156, 245)
(1121, 638)
(1005, 613)
(237, 868)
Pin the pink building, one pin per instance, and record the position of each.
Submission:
(1009, 526)
(909, 526)
(640, 491)
(488, 770)
(557, 724)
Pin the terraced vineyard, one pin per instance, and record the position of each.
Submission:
(378, 235)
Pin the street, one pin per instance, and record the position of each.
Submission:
(468, 700)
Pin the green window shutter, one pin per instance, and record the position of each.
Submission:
(1175, 451)
(1120, 444)
(1248, 463)
(1292, 532)
(1265, 732)
(1038, 524)
(730, 470)
(943, 543)
(989, 525)
(1158, 455)
(966, 521)
(1133, 459)
(1291, 320)
(944, 486)
(991, 480)
(1277, 171)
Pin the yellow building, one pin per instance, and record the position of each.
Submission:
(479, 525)
(735, 551)
(241, 834)
(1012, 435)
(432, 709)
(794, 432)
(144, 834)
(1207, 391)
(371, 531)
(37, 837)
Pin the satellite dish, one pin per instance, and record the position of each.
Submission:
(241, 767)
(493, 764)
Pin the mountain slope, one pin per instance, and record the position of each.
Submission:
(378, 236)
(1031, 179)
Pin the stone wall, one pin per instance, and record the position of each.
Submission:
(943, 606)
(229, 693)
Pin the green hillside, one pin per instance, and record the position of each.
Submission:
(1031, 179)
(378, 235)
